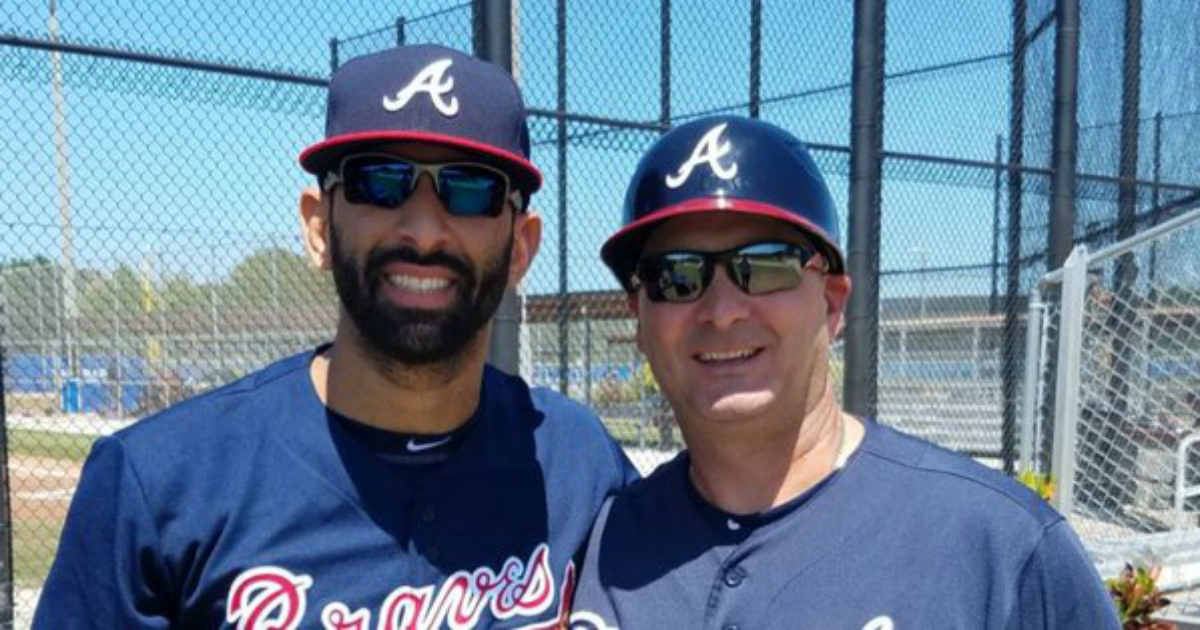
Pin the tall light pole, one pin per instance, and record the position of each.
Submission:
(63, 176)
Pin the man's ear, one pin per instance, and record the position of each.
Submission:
(837, 295)
(314, 226)
(631, 300)
(527, 239)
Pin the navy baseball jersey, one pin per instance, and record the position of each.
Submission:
(907, 536)
(253, 506)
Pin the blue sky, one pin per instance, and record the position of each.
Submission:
(197, 171)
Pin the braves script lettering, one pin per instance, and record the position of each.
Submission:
(432, 80)
(708, 151)
(272, 598)
(267, 597)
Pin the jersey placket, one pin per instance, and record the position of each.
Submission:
(724, 609)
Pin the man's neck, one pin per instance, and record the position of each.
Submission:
(408, 399)
(752, 470)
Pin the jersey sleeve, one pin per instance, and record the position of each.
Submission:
(591, 608)
(108, 572)
(1061, 589)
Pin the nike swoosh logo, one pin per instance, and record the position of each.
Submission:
(416, 447)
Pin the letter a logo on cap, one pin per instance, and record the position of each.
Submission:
(431, 80)
(708, 151)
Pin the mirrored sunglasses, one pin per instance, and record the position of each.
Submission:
(756, 269)
(466, 189)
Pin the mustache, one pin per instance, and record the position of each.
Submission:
(377, 260)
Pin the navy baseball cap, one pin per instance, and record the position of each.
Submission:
(426, 94)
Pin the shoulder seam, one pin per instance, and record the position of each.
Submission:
(251, 382)
(919, 465)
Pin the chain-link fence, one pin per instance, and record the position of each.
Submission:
(1117, 422)
(149, 248)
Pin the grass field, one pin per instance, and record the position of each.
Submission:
(71, 447)
(34, 544)
(43, 471)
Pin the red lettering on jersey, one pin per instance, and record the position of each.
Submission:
(519, 588)
(337, 616)
(458, 601)
(271, 598)
(403, 608)
(528, 589)
(563, 618)
(267, 598)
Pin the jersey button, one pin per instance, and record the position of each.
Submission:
(734, 577)
(433, 553)
(732, 626)
(428, 514)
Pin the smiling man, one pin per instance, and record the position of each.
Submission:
(784, 511)
(390, 479)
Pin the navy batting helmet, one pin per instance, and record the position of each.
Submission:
(724, 164)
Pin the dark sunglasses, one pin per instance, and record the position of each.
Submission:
(756, 268)
(466, 189)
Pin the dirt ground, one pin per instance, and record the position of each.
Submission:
(40, 488)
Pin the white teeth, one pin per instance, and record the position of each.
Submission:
(725, 356)
(418, 285)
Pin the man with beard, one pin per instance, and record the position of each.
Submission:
(784, 511)
(390, 479)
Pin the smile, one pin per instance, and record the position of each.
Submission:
(720, 357)
(418, 285)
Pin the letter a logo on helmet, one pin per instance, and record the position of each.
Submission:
(708, 151)
(432, 80)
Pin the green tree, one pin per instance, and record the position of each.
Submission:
(114, 299)
(180, 296)
(29, 296)
(277, 279)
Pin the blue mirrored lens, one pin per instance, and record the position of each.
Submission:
(468, 191)
(385, 185)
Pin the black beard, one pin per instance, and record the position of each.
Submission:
(417, 336)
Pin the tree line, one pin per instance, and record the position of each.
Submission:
(273, 280)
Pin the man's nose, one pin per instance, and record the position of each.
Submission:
(422, 220)
(723, 303)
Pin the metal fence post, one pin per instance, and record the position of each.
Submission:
(1009, 357)
(861, 376)
(401, 23)
(997, 195)
(664, 56)
(1066, 391)
(1130, 125)
(1156, 166)
(492, 21)
(755, 56)
(1064, 132)
(564, 295)
(6, 559)
(333, 55)
(587, 356)
(1029, 397)
(1008, 437)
